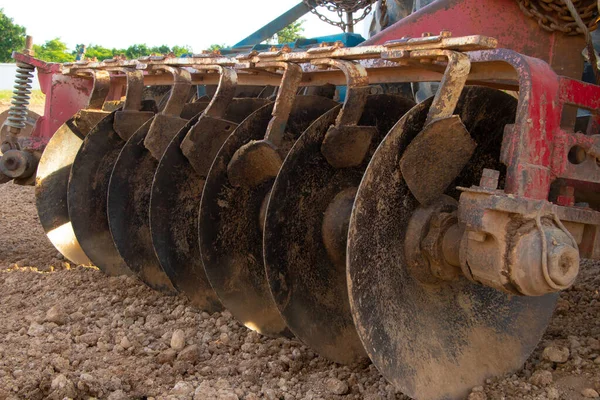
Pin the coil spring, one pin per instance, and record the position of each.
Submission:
(17, 113)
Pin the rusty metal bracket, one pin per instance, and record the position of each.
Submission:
(135, 87)
(225, 91)
(169, 120)
(258, 161)
(346, 143)
(131, 117)
(284, 102)
(100, 87)
(452, 84)
(204, 139)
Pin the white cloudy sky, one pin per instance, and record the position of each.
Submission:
(119, 24)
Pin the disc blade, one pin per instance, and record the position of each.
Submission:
(52, 180)
(87, 192)
(128, 210)
(435, 158)
(229, 226)
(174, 205)
(308, 283)
(433, 341)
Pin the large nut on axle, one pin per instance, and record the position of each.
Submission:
(18, 164)
(537, 268)
(432, 242)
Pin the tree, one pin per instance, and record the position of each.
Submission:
(98, 52)
(215, 47)
(137, 51)
(181, 50)
(53, 51)
(291, 33)
(12, 37)
(160, 50)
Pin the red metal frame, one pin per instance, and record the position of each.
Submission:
(65, 95)
(500, 19)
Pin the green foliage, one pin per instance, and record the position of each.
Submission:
(215, 47)
(291, 33)
(12, 37)
(53, 51)
(95, 51)
(135, 51)
(181, 50)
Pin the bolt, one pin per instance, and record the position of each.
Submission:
(426, 34)
(566, 196)
(489, 179)
(563, 264)
(11, 163)
(445, 33)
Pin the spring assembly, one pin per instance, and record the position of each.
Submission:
(21, 95)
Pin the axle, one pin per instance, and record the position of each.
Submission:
(512, 245)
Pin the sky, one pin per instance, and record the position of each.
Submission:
(197, 24)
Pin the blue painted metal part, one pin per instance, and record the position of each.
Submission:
(347, 39)
(276, 25)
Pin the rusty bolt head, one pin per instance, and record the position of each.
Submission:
(563, 264)
(18, 164)
(426, 34)
(446, 34)
(489, 179)
(432, 246)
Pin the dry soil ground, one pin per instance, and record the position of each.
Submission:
(71, 332)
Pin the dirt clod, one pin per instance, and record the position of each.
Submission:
(541, 378)
(336, 386)
(57, 315)
(590, 393)
(556, 354)
(178, 340)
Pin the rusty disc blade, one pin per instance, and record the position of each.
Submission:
(304, 254)
(87, 193)
(52, 180)
(229, 225)
(433, 341)
(174, 205)
(128, 209)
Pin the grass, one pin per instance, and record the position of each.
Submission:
(37, 97)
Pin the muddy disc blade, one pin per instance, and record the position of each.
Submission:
(87, 191)
(52, 180)
(230, 228)
(308, 282)
(174, 205)
(128, 209)
(433, 341)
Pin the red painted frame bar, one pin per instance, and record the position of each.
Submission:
(500, 19)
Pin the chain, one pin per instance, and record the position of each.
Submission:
(342, 8)
(554, 15)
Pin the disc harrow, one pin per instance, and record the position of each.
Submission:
(431, 238)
